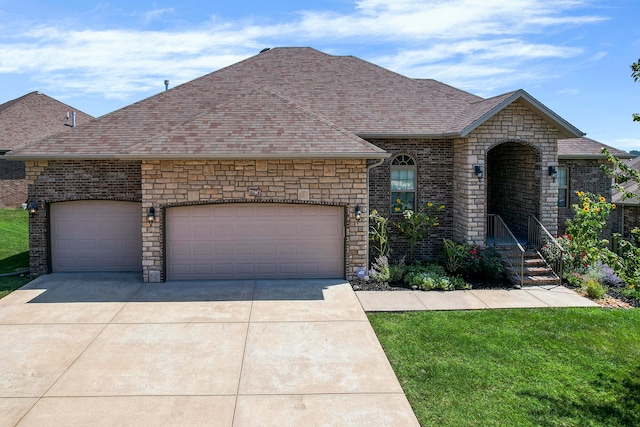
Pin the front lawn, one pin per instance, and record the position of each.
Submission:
(14, 248)
(543, 367)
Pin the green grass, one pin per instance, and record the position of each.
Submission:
(543, 367)
(14, 248)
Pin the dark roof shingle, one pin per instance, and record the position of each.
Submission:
(32, 117)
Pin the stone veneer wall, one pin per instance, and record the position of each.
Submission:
(13, 186)
(585, 175)
(516, 123)
(434, 174)
(65, 180)
(340, 182)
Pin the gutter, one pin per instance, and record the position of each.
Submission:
(229, 156)
(374, 165)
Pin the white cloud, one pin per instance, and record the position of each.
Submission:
(569, 91)
(627, 144)
(471, 43)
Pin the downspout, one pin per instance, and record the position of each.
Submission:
(371, 166)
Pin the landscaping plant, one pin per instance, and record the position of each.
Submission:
(415, 224)
(379, 233)
(585, 228)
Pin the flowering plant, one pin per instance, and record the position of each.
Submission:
(591, 214)
(415, 224)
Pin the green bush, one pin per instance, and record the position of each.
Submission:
(456, 255)
(380, 270)
(431, 277)
(471, 261)
(594, 288)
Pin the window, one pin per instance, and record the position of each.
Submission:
(403, 183)
(563, 187)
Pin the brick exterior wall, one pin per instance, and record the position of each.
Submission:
(323, 181)
(586, 175)
(513, 184)
(434, 175)
(515, 124)
(66, 180)
(13, 186)
(631, 220)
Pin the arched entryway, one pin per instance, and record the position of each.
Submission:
(513, 184)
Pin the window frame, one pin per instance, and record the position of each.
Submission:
(564, 189)
(402, 162)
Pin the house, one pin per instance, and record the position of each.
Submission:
(580, 162)
(268, 168)
(628, 212)
(22, 121)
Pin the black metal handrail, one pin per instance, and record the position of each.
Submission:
(503, 239)
(538, 237)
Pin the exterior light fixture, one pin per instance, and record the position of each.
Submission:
(151, 215)
(358, 213)
(32, 206)
(553, 173)
(478, 171)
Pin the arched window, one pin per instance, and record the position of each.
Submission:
(403, 183)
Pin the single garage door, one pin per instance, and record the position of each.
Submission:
(253, 240)
(96, 235)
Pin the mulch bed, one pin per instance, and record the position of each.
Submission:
(613, 299)
(364, 285)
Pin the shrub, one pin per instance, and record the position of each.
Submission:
(484, 262)
(594, 288)
(456, 255)
(478, 261)
(432, 276)
(396, 271)
(380, 270)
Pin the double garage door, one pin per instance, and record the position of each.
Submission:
(253, 240)
(224, 241)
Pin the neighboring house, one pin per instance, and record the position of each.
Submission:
(268, 168)
(579, 169)
(23, 121)
(628, 210)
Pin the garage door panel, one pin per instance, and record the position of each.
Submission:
(96, 235)
(255, 241)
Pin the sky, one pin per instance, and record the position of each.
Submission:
(574, 56)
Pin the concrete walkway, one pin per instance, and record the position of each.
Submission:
(106, 349)
(527, 297)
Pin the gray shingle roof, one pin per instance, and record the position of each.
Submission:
(32, 117)
(319, 102)
(586, 148)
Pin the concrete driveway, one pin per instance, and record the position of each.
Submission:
(106, 349)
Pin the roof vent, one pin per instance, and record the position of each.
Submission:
(166, 85)
(265, 49)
